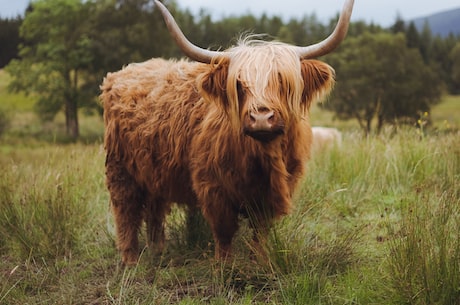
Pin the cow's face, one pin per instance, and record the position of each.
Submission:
(265, 88)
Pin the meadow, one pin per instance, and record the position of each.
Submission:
(376, 221)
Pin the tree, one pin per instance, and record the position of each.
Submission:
(455, 57)
(126, 31)
(379, 77)
(413, 37)
(9, 39)
(440, 59)
(55, 53)
(426, 42)
(399, 26)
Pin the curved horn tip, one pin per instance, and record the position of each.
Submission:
(157, 3)
(192, 51)
(333, 41)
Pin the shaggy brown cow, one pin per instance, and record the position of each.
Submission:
(228, 134)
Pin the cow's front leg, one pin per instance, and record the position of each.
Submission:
(224, 224)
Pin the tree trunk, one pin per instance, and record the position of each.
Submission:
(368, 126)
(71, 107)
(380, 122)
(361, 123)
(71, 118)
(379, 114)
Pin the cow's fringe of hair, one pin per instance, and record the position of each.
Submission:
(273, 83)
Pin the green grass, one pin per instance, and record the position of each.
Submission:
(376, 222)
(446, 114)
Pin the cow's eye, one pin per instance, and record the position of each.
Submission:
(241, 91)
(239, 87)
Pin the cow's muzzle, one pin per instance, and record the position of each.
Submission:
(263, 125)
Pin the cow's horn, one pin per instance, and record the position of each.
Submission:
(191, 50)
(330, 43)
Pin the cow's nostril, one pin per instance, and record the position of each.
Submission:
(262, 119)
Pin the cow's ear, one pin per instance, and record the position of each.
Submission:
(213, 83)
(318, 78)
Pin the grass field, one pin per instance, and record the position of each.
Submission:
(376, 221)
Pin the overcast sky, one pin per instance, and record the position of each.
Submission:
(382, 12)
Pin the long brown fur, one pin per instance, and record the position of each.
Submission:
(174, 134)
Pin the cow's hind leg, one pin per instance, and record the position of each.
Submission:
(126, 203)
(155, 213)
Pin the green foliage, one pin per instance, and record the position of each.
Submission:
(455, 57)
(127, 31)
(13, 101)
(69, 45)
(9, 39)
(434, 49)
(379, 77)
(55, 51)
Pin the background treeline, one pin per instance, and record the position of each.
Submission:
(9, 39)
(61, 49)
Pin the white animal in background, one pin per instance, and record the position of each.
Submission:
(325, 137)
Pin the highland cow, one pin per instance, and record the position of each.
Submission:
(227, 134)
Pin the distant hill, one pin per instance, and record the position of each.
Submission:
(442, 23)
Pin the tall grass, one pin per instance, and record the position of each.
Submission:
(376, 221)
(425, 252)
(424, 248)
(51, 211)
(45, 203)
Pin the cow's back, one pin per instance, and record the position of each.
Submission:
(150, 111)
